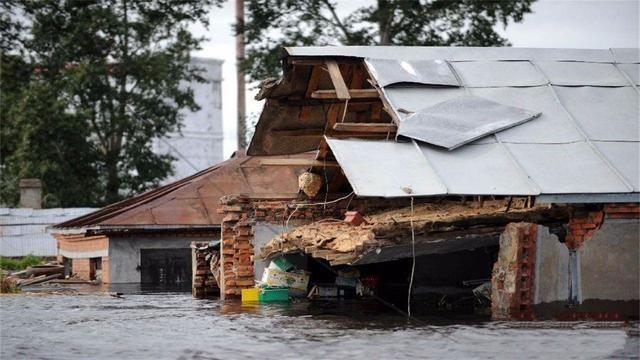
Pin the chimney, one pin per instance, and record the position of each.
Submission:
(31, 193)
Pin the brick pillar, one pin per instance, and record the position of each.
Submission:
(105, 269)
(237, 251)
(513, 274)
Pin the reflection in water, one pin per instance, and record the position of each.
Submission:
(175, 326)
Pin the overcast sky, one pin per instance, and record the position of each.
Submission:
(553, 23)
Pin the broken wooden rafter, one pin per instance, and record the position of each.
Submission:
(338, 81)
(296, 162)
(353, 93)
(318, 133)
(366, 127)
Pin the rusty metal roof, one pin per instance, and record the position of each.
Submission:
(192, 202)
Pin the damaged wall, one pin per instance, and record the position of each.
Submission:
(552, 265)
(609, 262)
(593, 275)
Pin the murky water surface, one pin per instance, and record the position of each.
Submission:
(176, 326)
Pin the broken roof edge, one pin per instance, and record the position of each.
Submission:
(595, 198)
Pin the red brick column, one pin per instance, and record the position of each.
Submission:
(513, 274)
(237, 251)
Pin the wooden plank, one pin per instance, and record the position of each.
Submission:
(365, 127)
(312, 85)
(310, 132)
(353, 93)
(296, 162)
(335, 110)
(376, 111)
(337, 80)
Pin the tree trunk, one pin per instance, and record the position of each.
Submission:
(385, 13)
(113, 180)
(240, 77)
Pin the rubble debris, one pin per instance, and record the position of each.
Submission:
(354, 218)
(341, 243)
(206, 269)
(295, 280)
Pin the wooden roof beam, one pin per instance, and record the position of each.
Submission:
(342, 91)
(353, 93)
(365, 127)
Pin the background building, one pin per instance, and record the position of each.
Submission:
(199, 143)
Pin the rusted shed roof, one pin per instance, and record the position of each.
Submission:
(193, 201)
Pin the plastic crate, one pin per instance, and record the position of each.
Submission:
(274, 294)
(250, 295)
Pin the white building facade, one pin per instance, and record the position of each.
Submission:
(199, 143)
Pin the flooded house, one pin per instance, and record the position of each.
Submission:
(146, 239)
(502, 180)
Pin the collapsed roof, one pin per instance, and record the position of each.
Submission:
(565, 128)
(192, 202)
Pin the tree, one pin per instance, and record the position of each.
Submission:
(108, 77)
(272, 24)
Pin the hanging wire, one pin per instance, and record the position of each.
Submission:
(413, 265)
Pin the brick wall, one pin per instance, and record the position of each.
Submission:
(80, 243)
(586, 220)
(82, 268)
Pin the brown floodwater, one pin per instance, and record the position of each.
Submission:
(170, 325)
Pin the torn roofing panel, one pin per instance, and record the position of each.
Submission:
(553, 126)
(498, 73)
(461, 120)
(386, 168)
(426, 72)
(582, 74)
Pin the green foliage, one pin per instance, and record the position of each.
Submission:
(103, 81)
(20, 264)
(272, 24)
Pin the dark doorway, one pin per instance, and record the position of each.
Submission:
(165, 266)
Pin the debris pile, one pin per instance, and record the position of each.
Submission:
(280, 280)
(342, 242)
(33, 275)
(206, 269)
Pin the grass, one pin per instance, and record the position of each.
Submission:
(20, 264)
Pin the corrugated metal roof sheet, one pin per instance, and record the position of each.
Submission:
(23, 231)
(461, 120)
(427, 72)
(586, 141)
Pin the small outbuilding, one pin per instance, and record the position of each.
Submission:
(146, 239)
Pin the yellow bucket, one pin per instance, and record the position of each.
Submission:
(250, 295)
